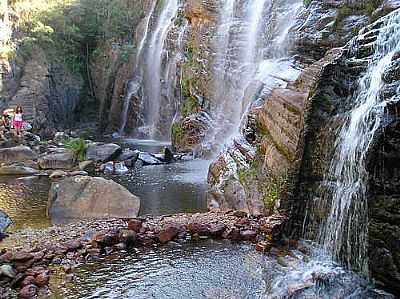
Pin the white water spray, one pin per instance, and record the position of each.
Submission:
(345, 233)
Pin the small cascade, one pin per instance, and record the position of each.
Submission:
(152, 84)
(344, 235)
(134, 83)
(245, 62)
(172, 69)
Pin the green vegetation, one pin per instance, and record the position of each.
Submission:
(190, 106)
(69, 30)
(366, 7)
(78, 147)
(176, 132)
(307, 2)
(272, 191)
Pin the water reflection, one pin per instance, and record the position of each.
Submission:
(25, 201)
(166, 189)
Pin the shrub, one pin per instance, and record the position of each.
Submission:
(78, 147)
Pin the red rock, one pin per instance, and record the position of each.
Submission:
(21, 256)
(232, 234)
(28, 292)
(199, 228)
(217, 229)
(6, 257)
(37, 256)
(73, 245)
(168, 233)
(243, 222)
(27, 281)
(135, 225)
(248, 235)
(42, 280)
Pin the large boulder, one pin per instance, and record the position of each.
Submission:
(64, 160)
(84, 197)
(103, 152)
(16, 154)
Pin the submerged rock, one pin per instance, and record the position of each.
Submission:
(85, 197)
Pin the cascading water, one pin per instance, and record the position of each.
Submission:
(134, 83)
(345, 232)
(244, 62)
(150, 108)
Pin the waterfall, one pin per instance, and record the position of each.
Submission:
(150, 109)
(245, 62)
(345, 232)
(134, 83)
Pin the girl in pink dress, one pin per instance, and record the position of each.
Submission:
(18, 121)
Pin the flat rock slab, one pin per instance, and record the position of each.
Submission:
(16, 154)
(58, 161)
(84, 197)
(103, 152)
(17, 170)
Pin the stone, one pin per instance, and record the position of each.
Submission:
(58, 174)
(217, 230)
(128, 237)
(32, 139)
(130, 163)
(27, 281)
(64, 160)
(88, 166)
(248, 235)
(120, 168)
(22, 256)
(135, 225)
(199, 228)
(168, 233)
(149, 159)
(128, 154)
(8, 271)
(83, 197)
(16, 154)
(5, 221)
(78, 172)
(107, 168)
(103, 152)
(60, 138)
(28, 292)
(168, 156)
(17, 170)
(42, 280)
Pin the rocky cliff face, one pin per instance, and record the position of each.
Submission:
(329, 107)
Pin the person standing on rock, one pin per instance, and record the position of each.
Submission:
(18, 119)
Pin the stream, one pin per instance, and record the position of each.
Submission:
(193, 269)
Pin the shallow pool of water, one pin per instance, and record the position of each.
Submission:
(25, 201)
(211, 269)
(166, 189)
